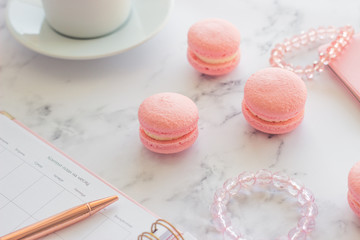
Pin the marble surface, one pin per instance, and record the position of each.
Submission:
(89, 109)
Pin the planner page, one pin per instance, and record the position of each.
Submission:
(38, 181)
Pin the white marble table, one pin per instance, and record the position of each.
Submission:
(89, 109)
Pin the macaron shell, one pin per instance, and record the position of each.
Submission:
(168, 115)
(212, 69)
(354, 205)
(275, 94)
(213, 38)
(354, 182)
(171, 146)
(271, 127)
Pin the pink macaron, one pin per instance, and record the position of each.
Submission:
(274, 100)
(354, 188)
(168, 122)
(213, 46)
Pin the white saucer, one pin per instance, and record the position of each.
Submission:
(26, 21)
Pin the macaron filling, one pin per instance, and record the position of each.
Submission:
(169, 146)
(298, 114)
(272, 120)
(164, 137)
(217, 60)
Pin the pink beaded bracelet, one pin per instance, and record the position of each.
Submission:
(341, 38)
(232, 186)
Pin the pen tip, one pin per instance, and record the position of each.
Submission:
(97, 205)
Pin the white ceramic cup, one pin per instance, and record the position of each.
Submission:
(86, 18)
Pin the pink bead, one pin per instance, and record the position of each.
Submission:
(280, 180)
(338, 48)
(309, 210)
(217, 209)
(331, 32)
(287, 45)
(318, 66)
(341, 40)
(299, 70)
(246, 179)
(305, 196)
(294, 187)
(325, 59)
(312, 35)
(281, 64)
(271, 61)
(348, 38)
(297, 234)
(309, 72)
(280, 47)
(321, 33)
(229, 184)
(263, 177)
(221, 223)
(345, 34)
(331, 51)
(232, 186)
(275, 61)
(231, 234)
(349, 31)
(289, 66)
(307, 224)
(295, 41)
(221, 195)
(276, 53)
(235, 189)
(304, 39)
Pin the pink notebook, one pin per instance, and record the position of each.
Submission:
(347, 66)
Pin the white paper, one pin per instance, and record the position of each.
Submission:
(37, 181)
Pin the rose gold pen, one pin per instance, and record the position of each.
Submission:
(60, 221)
